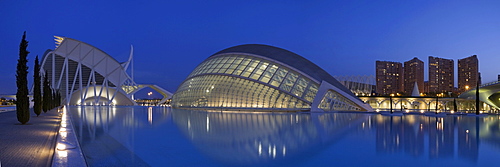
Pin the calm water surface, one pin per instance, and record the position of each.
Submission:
(158, 136)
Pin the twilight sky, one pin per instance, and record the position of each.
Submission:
(171, 38)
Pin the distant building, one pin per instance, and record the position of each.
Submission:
(468, 72)
(389, 77)
(359, 85)
(426, 86)
(413, 73)
(441, 76)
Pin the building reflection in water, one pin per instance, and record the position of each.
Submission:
(105, 134)
(277, 138)
(412, 134)
(249, 138)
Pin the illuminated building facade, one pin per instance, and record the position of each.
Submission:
(85, 75)
(413, 73)
(359, 85)
(441, 76)
(389, 77)
(262, 77)
(468, 73)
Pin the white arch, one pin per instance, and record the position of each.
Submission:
(81, 72)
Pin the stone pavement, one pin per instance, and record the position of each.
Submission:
(32, 144)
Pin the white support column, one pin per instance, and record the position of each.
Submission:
(93, 85)
(58, 85)
(74, 82)
(66, 62)
(89, 81)
(81, 86)
(53, 78)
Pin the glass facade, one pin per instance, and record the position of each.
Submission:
(333, 101)
(262, 77)
(241, 81)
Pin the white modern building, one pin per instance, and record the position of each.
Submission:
(86, 75)
(262, 77)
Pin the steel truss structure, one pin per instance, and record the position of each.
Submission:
(85, 75)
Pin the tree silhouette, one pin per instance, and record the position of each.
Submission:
(37, 92)
(46, 94)
(22, 104)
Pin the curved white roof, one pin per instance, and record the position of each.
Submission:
(93, 58)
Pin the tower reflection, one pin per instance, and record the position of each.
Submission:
(437, 137)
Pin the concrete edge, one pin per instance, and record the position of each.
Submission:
(67, 151)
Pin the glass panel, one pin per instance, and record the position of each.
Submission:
(259, 70)
(237, 60)
(251, 66)
(299, 87)
(333, 101)
(268, 73)
(226, 91)
(311, 93)
(278, 77)
(289, 82)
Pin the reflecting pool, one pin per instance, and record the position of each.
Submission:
(159, 136)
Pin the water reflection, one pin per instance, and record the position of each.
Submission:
(456, 137)
(238, 138)
(156, 136)
(107, 133)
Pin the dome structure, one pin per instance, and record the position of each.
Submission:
(263, 77)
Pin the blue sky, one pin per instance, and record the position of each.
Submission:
(171, 38)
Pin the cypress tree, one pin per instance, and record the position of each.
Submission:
(37, 93)
(53, 100)
(46, 94)
(22, 104)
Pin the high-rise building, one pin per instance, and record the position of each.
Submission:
(468, 72)
(441, 77)
(413, 73)
(389, 77)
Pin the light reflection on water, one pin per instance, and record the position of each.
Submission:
(158, 136)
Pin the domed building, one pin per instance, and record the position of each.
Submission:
(263, 78)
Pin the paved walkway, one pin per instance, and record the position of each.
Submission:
(31, 144)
